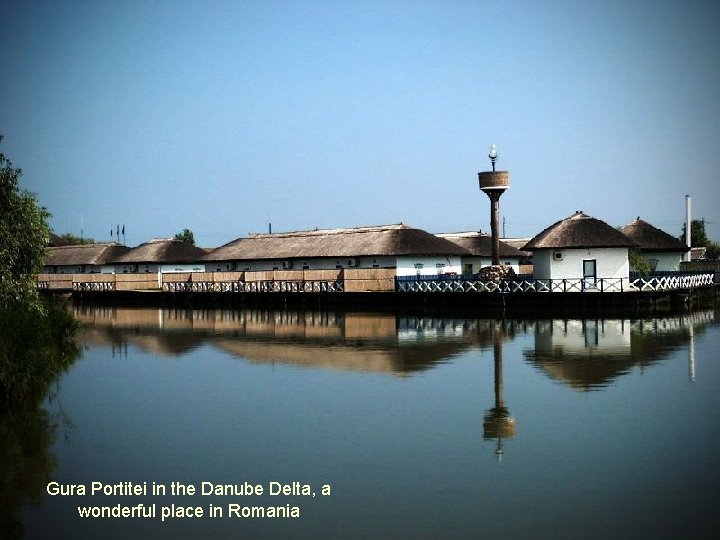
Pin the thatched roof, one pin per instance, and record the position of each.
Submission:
(163, 250)
(651, 238)
(480, 244)
(84, 254)
(361, 241)
(579, 231)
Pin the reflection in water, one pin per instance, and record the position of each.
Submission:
(691, 354)
(35, 348)
(212, 419)
(498, 423)
(590, 354)
(375, 342)
(585, 354)
(25, 464)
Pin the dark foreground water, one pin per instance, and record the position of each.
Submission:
(413, 428)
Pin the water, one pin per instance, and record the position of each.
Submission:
(422, 428)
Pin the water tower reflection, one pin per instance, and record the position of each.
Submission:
(498, 423)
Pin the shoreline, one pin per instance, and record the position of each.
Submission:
(502, 305)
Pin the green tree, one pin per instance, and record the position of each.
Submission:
(73, 240)
(638, 263)
(24, 234)
(698, 237)
(713, 251)
(186, 236)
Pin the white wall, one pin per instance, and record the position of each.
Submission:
(666, 262)
(583, 338)
(136, 268)
(219, 266)
(541, 263)
(611, 263)
(315, 263)
(182, 267)
(67, 269)
(480, 262)
(428, 265)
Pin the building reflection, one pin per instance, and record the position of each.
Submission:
(584, 354)
(589, 354)
(372, 342)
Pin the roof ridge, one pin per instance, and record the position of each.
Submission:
(94, 244)
(339, 230)
(461, 234)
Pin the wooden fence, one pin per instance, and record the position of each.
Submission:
(217, 282)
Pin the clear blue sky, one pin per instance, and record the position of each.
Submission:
(222, 117)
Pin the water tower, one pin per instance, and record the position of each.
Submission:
(494, 183)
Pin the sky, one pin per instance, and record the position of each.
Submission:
(225, 116)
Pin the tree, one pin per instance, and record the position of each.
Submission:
(638, 263)
(713, 251)
(24, 234)
(698, 237)
(186, 236)
(73, 240)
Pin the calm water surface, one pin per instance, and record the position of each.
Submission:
(423, 428)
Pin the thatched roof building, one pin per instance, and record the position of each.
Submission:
(480, 244)
(579, 231)
(162, 250)
(84, 254)
(384, 240)
(651, 238)
(519, 244)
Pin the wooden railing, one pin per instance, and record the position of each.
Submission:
(664, 281)
(201, 282)
(526, 284)
(363, 280)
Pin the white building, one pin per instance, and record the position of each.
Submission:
(83, 258)
(410, 251)
(164, 255)
(480, 247)
(662, 251)
(580, 247)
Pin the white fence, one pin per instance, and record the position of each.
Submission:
(526, 284)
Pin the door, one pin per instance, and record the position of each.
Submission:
(589, 273)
